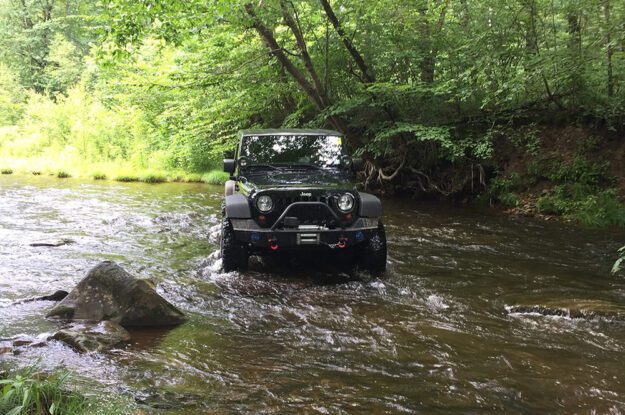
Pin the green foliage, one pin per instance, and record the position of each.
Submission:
(62, 174)
(549, 205)
(526, 138)
(12, 97)
(584, 204)
(6, 170)
(125, 177)
(581, 171)
(27, 392)
(216, 177)
(152, 177)
(501, 190)
(98, 175)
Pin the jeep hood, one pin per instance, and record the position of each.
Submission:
(315, 178)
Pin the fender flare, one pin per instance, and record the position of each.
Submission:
(237, 207)
(230, 187)
(370, 206)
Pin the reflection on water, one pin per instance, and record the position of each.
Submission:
(433, 335)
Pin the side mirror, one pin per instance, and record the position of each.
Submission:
(229, 165)
(357, 164)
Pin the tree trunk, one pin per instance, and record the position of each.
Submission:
(270, 41)
(301, 44)
(367, 73)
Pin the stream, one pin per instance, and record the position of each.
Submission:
(454, 326)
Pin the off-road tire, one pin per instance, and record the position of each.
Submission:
(373, 254)
(234, 256)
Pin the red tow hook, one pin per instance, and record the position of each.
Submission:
(342, 242)
(273, 244)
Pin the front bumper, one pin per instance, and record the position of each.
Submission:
(260, 239)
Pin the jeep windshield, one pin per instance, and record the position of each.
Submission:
(292, 151)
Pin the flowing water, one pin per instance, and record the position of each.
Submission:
(449, 329)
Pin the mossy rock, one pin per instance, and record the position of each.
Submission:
(110, 293)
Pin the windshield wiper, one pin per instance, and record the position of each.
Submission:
(262, 166)
(300, 166)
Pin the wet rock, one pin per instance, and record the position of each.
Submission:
(110, 293)
(52, 242)
(167, 400)
(575, 309)
(22, 342)
(92, 337)
(56, 296)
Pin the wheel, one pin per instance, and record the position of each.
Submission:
(234, 256)
(373, 254)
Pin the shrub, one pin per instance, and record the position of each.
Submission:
(548, 205)
(584, 204)
(6, 171)
(99, 176)
(601, 209)
(500, 190)
(62, 174)
(36, 173)
(582, 171)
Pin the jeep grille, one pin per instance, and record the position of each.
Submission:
(306, 215)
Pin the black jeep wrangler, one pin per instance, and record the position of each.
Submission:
(293, 190)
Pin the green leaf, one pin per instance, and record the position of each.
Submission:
(16, 411)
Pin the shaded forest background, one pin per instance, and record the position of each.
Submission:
(518, 103)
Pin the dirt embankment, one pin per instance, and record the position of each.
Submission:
(540, 161)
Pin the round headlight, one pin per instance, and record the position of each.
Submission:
(346, 202)
(264, 203)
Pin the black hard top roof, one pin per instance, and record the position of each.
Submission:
(290, 131)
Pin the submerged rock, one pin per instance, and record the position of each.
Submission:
(92, 337)
(53, 242)
(56, 296)
(110, 293)
(575, 309)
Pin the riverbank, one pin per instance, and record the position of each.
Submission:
(108, 171)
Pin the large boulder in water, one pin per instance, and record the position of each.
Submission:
(110, 293)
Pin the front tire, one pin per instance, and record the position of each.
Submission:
(373, 254)
(234, 256)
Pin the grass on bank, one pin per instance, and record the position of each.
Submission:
(28, 392)
(108, 171)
